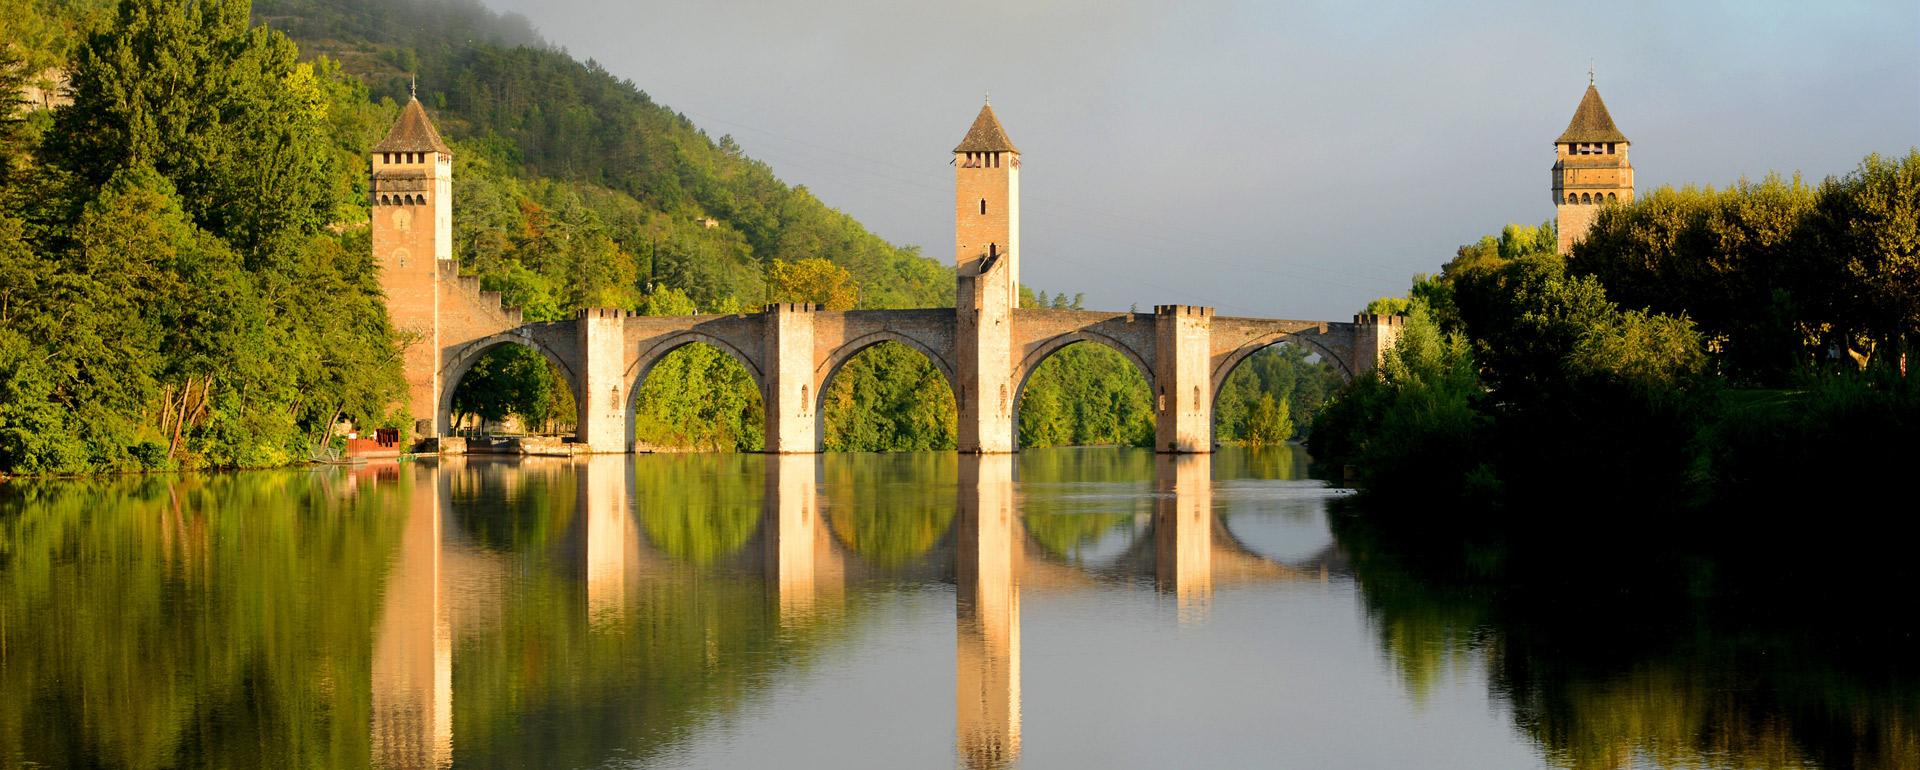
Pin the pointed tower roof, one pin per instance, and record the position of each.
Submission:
(986, 135)
(413, 132)
(1591, 123)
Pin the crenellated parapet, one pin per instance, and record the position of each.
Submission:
(1373, 336)
(1187, 311)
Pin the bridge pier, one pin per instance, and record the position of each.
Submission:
(1183, 404)
(983, 314)
(789, 391)
(600, 396)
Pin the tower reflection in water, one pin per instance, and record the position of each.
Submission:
(805, 572)
(1183, 531)
(613, 537)
(413, 647)
(987, 613)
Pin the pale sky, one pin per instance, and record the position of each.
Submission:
(1276, 159)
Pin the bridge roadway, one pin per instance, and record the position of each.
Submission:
(792, 351)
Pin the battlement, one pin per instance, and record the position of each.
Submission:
(1191, 311)
(794, 307)
(451, 278)
(604, 312)
(1377, 319)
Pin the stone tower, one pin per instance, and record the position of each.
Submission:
(986, 218)
(986, 236)
(1590, 168)
(412, 238)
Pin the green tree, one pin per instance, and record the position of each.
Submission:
(812, 280)
(1270, 424)
(1388, 306)
(224, 110)
(1866, 227)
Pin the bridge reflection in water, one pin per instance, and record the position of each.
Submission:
(806, 570)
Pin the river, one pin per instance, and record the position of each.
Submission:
(1067, 608)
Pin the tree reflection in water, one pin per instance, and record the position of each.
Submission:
(1610, 660)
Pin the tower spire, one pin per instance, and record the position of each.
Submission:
(413, 87)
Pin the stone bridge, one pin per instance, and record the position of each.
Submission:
(986, 346)
(792, 351)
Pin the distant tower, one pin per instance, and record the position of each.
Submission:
(986, 220)
(412, 238)
(1590, 168)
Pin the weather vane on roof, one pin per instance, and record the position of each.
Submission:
(1589, 72)
(413, 87)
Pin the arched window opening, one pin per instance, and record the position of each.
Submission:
(888, 397)
(1612, 197)
(1272, 396)
(1086, 394)
(993, 250)
(511, 395)
(698, 397)
(983, 207)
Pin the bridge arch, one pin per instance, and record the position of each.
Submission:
(1220, 376)
(1218, 379)
(837, 359)
(636, 373)
(656, 350)
(463, 359)
(1041, 352)
(1053, 345)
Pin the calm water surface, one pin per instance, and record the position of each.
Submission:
(1058, 609)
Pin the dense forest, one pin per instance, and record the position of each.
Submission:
(172, 153)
